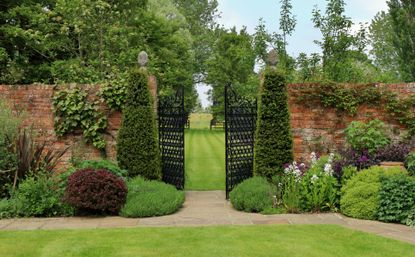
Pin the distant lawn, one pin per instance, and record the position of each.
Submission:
(238, 241)
(205, 155)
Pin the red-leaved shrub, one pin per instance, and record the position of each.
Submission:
(95, 191)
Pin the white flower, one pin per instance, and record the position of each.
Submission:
(328, 169)
(331, 158)
(314, 178)
(313, 158)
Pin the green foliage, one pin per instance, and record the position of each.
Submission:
(410, 221)
(348, 98)
(39, 196)
(342, 51)
(252, 195)
(101, 164)
(383, 51)
(233, 62)
(368, 136)
(360, 195)
(397, 198)
(274, 143)
(151, 198)
(348, 173)
(73, 111)
(402, 13)
(9, 124)
(287, 193)
(319, 189)
(137, 146)
(114, 92)
(410, 164)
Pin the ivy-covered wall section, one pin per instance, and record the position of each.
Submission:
(317, 119)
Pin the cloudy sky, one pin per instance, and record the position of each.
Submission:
(241, 13)
(247, 12)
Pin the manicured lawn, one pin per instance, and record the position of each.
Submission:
(282, 240)
(205, 155)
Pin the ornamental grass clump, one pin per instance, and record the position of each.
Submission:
(92, 191)
(137, 146)
(273, 139)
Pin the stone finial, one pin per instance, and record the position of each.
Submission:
(272, 58)
(142, 59)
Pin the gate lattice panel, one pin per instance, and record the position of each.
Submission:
(240, 124)
(171, 123)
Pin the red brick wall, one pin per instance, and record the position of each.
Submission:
(317, 128)
(313, 128)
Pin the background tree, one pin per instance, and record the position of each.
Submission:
(287, 21)
(402, 18)
(233, 61)
(383, 52)
(344, 58)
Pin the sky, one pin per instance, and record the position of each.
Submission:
(241, 13)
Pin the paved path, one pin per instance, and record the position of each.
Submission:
(211, 208)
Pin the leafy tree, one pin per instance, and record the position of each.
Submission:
(137, 147)
(383, 51)
(232, 62)
(287, 21)
(273, 140)
(402, 18)
(261, 41)
(344, 58)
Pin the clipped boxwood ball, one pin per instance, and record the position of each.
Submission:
(252, 195)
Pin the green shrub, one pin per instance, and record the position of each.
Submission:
(288, 192)
(368, 136)
(360, 195)
(39, 196)
(410, 164)
(274, 143)
(319, 189)
(102, 165)
(397, 198)
(348, 173)
(151, 198)
(137, 146)
(252, 195)
(410, 221)
(9, 124)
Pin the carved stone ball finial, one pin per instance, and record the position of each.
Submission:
(142, 59)
(272, 58)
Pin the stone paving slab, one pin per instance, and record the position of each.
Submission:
(211, 209)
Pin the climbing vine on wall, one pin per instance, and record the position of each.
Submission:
(74, 111)
(347, 99)
(114, 92)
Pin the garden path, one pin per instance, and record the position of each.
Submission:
(210, 208)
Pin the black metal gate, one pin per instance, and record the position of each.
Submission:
(171, 122)
(240, 124)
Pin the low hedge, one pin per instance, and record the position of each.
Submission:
(252, 195)
(360, 194)
(397, 198)
(151, 198)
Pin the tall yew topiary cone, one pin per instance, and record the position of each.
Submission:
(273, 142)
(137, 146)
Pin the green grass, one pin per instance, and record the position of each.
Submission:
(281, 240)
(205, 155)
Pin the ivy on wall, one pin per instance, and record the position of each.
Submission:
(74, 111)
(348, 98)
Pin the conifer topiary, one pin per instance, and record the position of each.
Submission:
(273, 141)
(137, 146)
